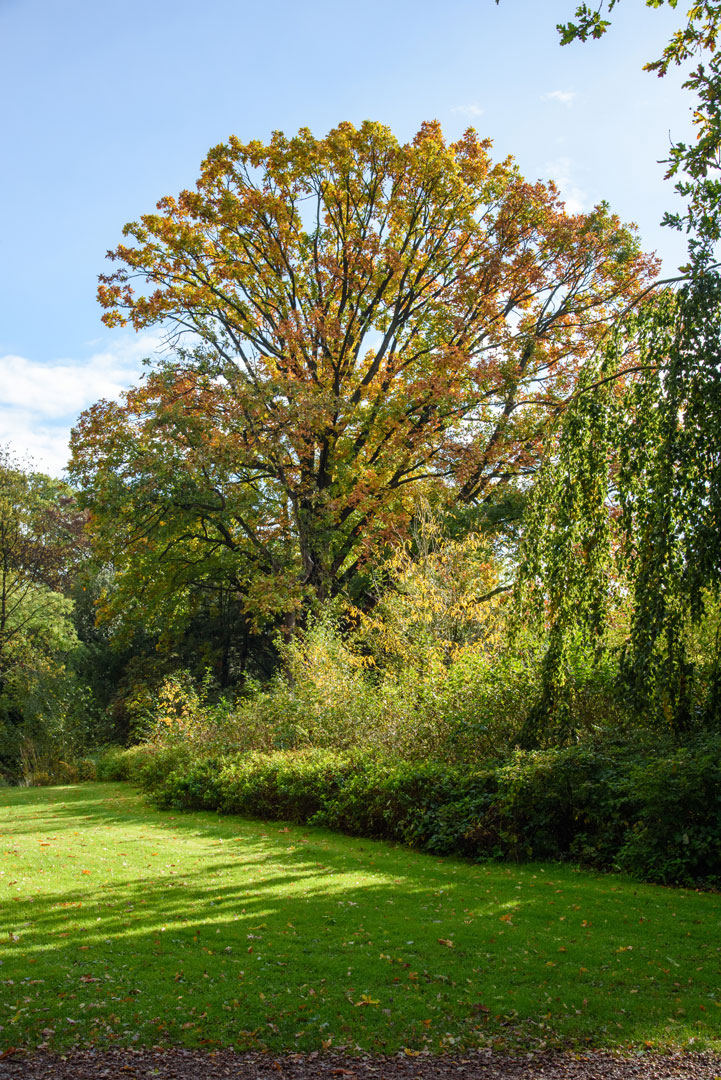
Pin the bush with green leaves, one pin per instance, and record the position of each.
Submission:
(330, 695)
(676, 836)
(572, 802)
(612, 805)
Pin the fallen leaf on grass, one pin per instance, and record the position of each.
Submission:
(447, 942)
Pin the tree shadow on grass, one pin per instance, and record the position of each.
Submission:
(192, 928)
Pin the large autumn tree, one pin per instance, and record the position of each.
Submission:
(349, 319)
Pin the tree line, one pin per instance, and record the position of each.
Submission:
(406, 394)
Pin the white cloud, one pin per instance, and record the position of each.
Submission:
(561, 172)
(472, 110)
(40, 402)
(563, 97)
(38, 446)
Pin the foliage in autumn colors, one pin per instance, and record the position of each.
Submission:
(351, 321)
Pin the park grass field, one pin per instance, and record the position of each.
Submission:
(125, 925)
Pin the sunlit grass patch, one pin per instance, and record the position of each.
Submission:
(130, 925)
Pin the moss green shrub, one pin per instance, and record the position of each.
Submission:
(147, 764)
(656, 816)
(573, 802)
(676, 836)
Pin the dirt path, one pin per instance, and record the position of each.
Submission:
(198, 1065)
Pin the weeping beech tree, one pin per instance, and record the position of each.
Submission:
(352, 319)
(627, 514)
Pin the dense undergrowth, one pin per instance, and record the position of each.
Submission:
(428, 754)
(403, 732)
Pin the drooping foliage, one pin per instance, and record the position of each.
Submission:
(626, 521)
(624, 535)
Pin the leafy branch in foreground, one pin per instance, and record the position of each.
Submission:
(696, 164)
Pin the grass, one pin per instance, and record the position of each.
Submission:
(126, 925)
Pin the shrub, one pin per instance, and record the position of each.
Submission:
(606, 804)
(415, 802)
(676, 837)
(114, 763)
(572, 802)
(288, 785)
(146, 764)
(190, 784)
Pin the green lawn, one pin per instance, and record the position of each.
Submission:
(121, 923)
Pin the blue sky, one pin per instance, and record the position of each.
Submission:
(109, 107)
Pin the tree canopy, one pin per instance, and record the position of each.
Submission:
(41, 547)
(349, 319)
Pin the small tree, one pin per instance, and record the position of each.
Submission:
(40, 542)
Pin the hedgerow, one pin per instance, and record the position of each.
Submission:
(656, 816)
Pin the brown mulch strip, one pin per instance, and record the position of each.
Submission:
(160, 1064)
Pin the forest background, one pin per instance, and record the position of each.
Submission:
(413, 526)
